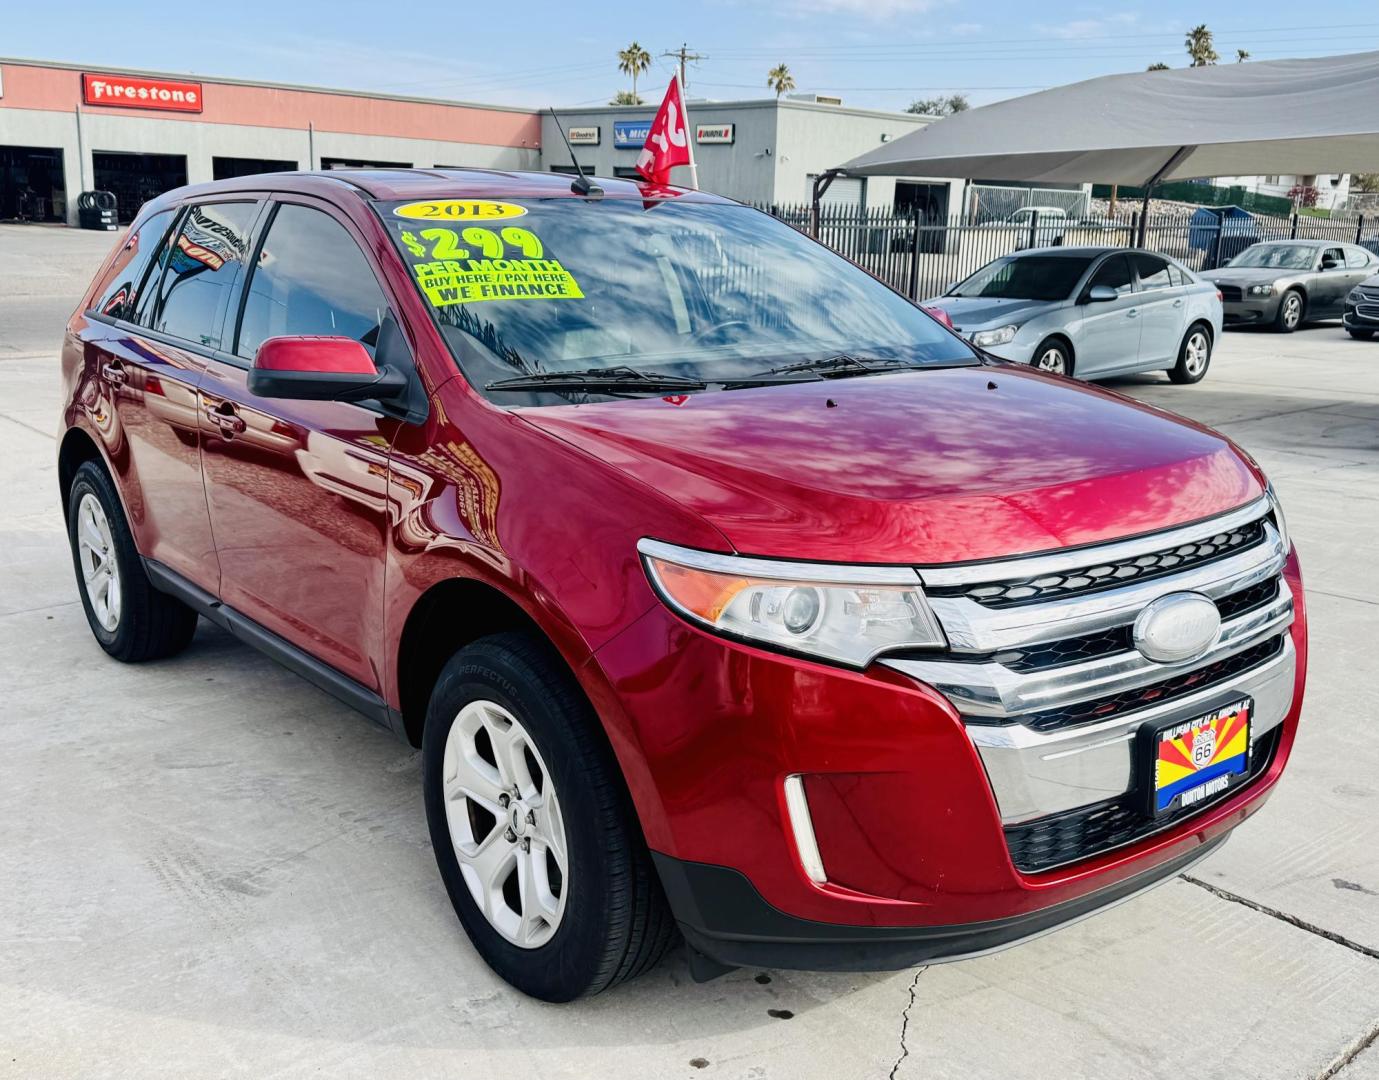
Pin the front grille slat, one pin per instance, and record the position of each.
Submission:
(1230, 294)
(1098, 577)
(1175, 686)
(1050, 842)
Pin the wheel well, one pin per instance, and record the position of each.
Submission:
(1206, 326)
(77, 448)
(447, 617)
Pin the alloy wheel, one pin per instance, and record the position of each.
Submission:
(1052, 359)
(100, 573)
(1197, 353)
(1292, 310)
(505, 824)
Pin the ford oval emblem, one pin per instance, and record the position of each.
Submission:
(1177, 627)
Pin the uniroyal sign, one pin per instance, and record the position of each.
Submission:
(130, 92)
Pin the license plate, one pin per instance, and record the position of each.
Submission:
(1191, 761)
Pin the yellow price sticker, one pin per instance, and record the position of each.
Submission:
(460, 210)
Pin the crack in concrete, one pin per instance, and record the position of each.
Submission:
(1350, 1053)
(27, 427)
(905, 1026)
(1283, 916)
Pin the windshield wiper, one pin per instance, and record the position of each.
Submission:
(613, 379)
(841, 366)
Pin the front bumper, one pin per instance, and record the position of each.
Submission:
(724, 918)
(916, 816)
(1364, 316)
(1246, 312)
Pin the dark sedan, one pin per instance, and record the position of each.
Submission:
(1361, 316)
(1281, 283)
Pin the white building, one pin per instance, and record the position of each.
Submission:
(1332, 188)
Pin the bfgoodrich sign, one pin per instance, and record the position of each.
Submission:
(132, 92)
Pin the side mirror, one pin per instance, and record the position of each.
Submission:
(312, 368)
(1328, 263)
(1100, 294)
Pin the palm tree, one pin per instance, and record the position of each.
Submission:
(1241, 55)
(780, 80)
(634, 61)
(1200, 46)
(626, 97)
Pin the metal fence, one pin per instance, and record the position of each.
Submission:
(994, 202)
(922, 257)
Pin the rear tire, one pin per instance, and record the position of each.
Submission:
(1053, 356)
(1292, 309)
(1194, 356)
(130, 619)
(1360, 335)
(498, 829)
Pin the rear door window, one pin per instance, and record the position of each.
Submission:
(1115, 272)
(1335, 254)
(201, 267)
(310, 278)
(1154, 272)
(120, 289)
(1357, 258)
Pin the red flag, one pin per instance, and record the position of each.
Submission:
(667, 143)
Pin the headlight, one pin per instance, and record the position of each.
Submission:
(1279, 520)
(984, 339)
(847, 614)
(1261, 290)
(1353, 296)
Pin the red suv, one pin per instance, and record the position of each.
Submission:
(726, 593)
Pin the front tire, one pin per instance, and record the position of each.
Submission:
(1291, 310)
(534, 833)
(1053, 356)
(1194, 357)
(130, 619)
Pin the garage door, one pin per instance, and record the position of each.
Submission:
(844, 191)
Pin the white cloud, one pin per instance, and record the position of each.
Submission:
(1089, 28)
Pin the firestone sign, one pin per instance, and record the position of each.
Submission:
(131, 92)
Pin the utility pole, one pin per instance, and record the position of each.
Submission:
(682, 54)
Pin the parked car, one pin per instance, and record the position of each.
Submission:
(1283, 283)
(1091, 312)
(1051, 224)
(1361, 317)
(727, 595)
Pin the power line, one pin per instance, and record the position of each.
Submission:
(683, 54)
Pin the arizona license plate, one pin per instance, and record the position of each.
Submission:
(1194, 760)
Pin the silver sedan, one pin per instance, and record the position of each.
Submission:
(1091, 312)
(1281, 283)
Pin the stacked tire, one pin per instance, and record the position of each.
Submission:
(98, 210)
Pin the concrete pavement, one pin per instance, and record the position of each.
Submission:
(212, 869)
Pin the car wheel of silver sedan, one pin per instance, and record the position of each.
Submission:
(1194, 356)
(1290, 312)
(1052, 356)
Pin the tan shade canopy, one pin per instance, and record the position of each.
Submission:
(1278, 116)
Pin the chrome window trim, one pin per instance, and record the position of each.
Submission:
(1076, 558)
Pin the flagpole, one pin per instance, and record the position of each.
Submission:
(689, 134)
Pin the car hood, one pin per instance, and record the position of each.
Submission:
(917, 467)
(979, 312)
(1248, 275)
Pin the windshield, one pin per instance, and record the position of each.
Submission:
(1278, 256)
(1026, 277)
(706, 291)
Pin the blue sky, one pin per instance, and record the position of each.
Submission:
(875, 53)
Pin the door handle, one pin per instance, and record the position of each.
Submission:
(1133, 313)
(224, 417)
(114, 373)
(1178, 302)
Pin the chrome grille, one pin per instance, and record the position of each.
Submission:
(1111, 574)
(1050, 686)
